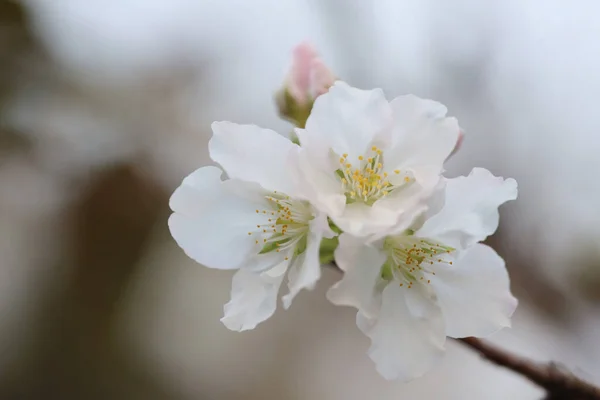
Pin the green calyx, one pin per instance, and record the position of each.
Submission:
(291, 110)
(328, 246)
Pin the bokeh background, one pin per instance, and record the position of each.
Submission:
(106, 105)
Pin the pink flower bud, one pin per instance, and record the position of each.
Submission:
(309, 77)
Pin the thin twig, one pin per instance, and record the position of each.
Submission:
(558, 383)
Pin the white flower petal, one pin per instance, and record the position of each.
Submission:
(263, 262)
(470, 212)
(412, 109)
(199, 190)
(415, 208)
(423, 137)
(407, 204)
(362, 269)
(364, 323)
(253, 154)
(306, 269)
(314, 175)
(210, 222)
(348, 120)
(474, 293)
(405, 344)
(253, 298)
(360, 219)
(321, 224)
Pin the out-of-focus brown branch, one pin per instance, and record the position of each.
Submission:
(558, 383)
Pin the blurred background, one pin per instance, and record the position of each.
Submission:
(106, 105)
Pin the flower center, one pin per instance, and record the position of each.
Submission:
(286, 225)
(412, 259)
(367, 180)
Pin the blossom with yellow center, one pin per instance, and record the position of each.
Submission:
(411, 259)
(414, 287)
(286, 228)
(369, 163)
(367, 181)
(256, 222)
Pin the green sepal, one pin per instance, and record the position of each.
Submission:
(294, 138)
(327, 250)
(291, 110)
(334, 227)
(328, 246)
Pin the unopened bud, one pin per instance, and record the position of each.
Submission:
(307, 79)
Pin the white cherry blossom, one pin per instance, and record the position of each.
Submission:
(255, 221)
(413, 287)
(371, 164)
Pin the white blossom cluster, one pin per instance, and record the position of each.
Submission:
(362, 181)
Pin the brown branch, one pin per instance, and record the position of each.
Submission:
(558, 383)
